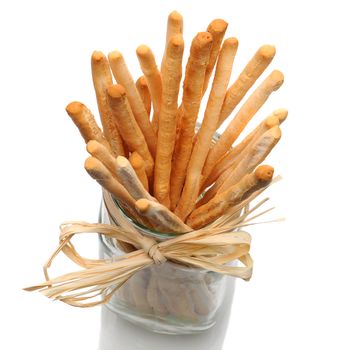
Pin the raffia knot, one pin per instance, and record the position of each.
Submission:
(151, 248)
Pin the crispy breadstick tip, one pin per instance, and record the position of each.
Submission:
(142, 205)
(92, 146)
(218, 25)
(97, 56)
(232, 41)
(95, 168)
(136, 160)
(175, 17)
(267, 51)
(74, 108)
(122, 161)
(281, 114)
(143, 51)
(116, 91)
(204, 38)
(264, 172)
(115, 56)
(277, 78)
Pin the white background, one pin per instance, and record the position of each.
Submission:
(298, 297)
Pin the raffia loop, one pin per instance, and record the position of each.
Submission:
(152, 249)
(210, 248)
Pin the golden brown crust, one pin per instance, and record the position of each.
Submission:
(153, 78)
(217, 207)
(217, 28)
(234, 155)
(123, 77)
(129, 129)
(101, 174)
(203, 141)
(102, 78)
(85, 122)
(246, 79)
(242, 118)
(191, 99)
(174, 27)
(167, 118)
(161, 218)
(138, 164)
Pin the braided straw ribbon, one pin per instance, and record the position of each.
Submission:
(210, 248)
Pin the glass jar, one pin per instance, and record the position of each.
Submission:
(167, 298)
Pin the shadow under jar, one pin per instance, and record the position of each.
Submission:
(168, 298)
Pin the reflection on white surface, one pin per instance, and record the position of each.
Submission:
(117, 333)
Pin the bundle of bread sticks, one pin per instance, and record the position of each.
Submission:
(154, 156)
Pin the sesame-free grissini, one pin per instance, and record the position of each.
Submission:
(122, 76)
(142, 88)
(174, 27)
(128, 178)
(102, 78)
(167, 118)
(161, 217)
(104, 177)
(191, 99)
(138, 164)
(120, 168)
(251, 72)
(229, 198)
(86, 123)
(272, 83)
(217, 29)
(135, 158)
(236, 153)
(154, 81)
(129, 128)
(252, 156)
(203, 142)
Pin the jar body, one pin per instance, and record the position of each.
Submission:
(167, 298)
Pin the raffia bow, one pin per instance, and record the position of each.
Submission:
(210, 248)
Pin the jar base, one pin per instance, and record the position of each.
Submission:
(161, 325)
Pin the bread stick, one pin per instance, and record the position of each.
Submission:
(217, 29)
(174, 27)
(191, 99)
(138, 164)
(167, 118)
(128, 126)
(246, 79)
(120, 168)
(102, 175)
(162, 219)
(242, 118)
(205, 134)
(142, 88)
(236, 153)
(102, 78)
(123, 77)
(252, 156)
(101, 153)
(153, 78)
(86, 123)
(229, 198)
(128, 178)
